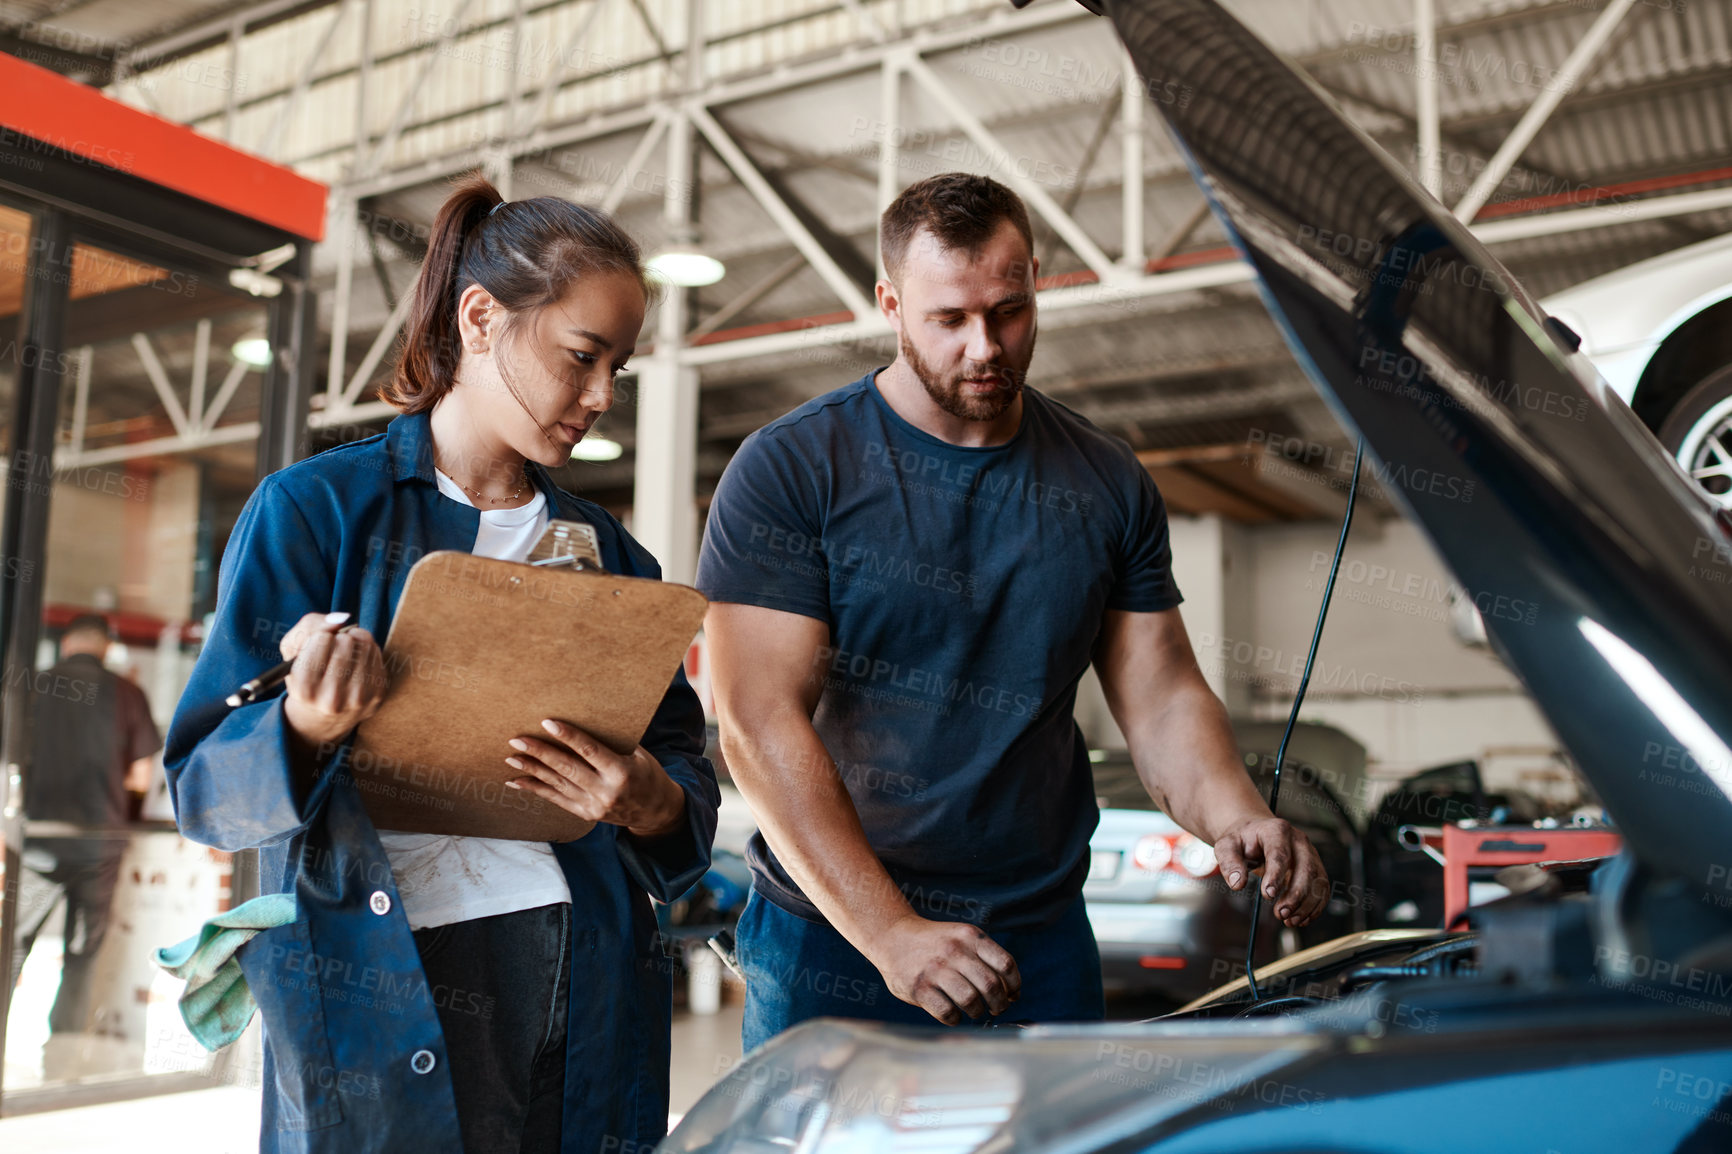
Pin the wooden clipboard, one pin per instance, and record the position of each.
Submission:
(479, 652)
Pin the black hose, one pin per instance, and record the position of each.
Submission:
(1434, 961)
(1441, 949)
(1276, 1005)
(1293, 716)
(1383, 974)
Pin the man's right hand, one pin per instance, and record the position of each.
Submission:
(767, 672)
(338, 680)
(948, 969)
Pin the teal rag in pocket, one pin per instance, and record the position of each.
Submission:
(216, 1004)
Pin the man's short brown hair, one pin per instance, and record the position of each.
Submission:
(960, 210)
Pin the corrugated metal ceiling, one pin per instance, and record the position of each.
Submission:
(1659, 103)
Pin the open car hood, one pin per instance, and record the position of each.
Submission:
(1602, 572)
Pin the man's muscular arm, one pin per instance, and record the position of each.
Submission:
(1184, 752)
(767, 669)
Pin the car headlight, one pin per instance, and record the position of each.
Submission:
(848, 1088)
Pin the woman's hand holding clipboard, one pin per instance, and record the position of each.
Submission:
(486, 654)
(587, 779)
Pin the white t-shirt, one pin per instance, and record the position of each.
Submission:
(441, 878)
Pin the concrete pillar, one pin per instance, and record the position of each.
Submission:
(664, 508)
(1213, 571)
(664, 496)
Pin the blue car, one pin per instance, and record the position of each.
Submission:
(1590, 1010)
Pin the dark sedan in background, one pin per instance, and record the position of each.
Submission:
(1168, 928)
(1166, 924)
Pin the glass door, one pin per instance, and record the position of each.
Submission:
(16, 230)
(156, 451)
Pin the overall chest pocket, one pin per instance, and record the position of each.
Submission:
(282, 971)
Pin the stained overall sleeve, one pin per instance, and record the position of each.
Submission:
(667, 867)
(230, 771)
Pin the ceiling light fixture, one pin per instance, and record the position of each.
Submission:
(254, 351)
(252, 281)
(596, 447)
(687, 266)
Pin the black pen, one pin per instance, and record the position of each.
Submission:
(276, 674)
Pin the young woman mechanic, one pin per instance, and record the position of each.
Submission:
(447, 994)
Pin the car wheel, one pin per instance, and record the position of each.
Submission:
(1698, 431)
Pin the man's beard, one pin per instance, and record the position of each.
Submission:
(947, 392)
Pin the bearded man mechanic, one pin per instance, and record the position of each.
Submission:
(910, 575)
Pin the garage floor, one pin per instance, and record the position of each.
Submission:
(228, 1117)
(228, 1123)
(705, 1047)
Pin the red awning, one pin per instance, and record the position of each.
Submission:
(44, 106)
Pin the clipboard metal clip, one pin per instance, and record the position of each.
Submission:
(565, 543)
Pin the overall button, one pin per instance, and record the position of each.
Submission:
(380, 903)
(423, 1061)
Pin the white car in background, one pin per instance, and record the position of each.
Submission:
(1660, 333)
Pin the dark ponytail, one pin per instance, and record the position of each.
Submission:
(526, 255)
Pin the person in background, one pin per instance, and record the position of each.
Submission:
(92, 741)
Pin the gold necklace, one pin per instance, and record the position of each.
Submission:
(523, 484)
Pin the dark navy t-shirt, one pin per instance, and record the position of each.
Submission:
(964, 589)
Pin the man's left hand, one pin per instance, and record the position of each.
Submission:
(1294, 880)
(582, 776)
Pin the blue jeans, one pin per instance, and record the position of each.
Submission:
(797, 970)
